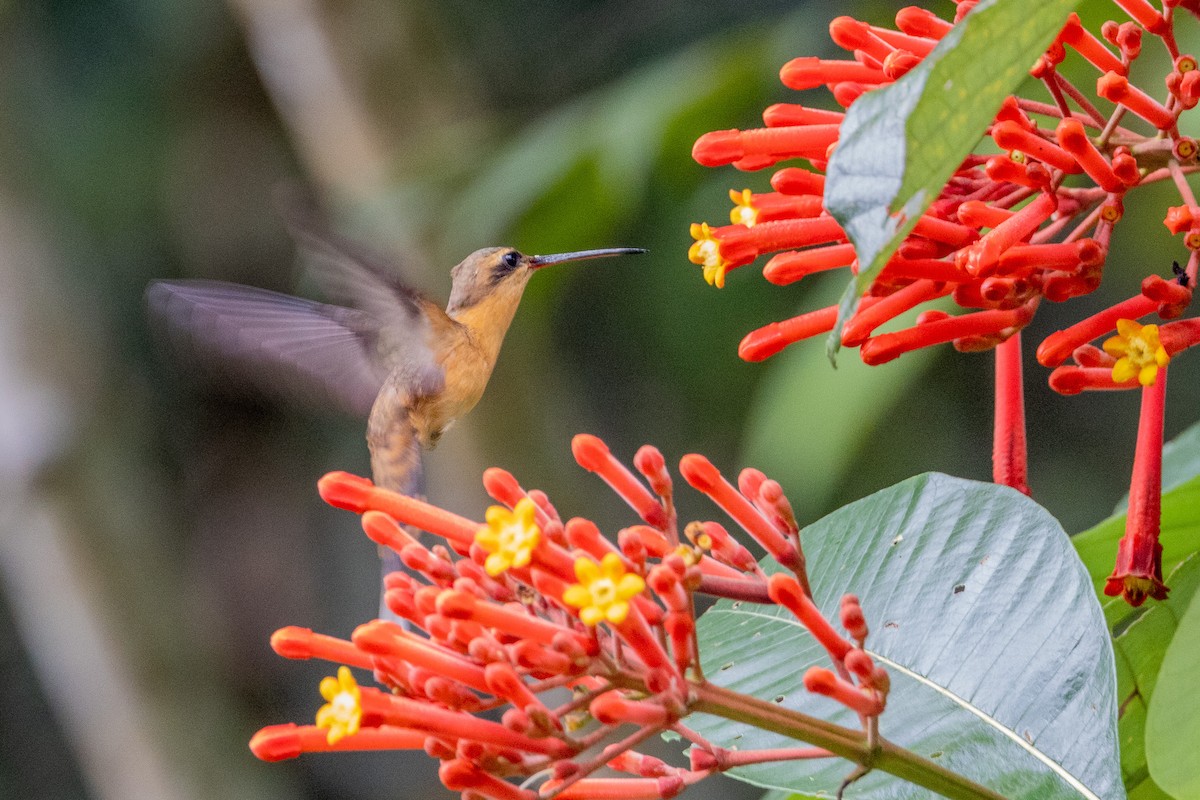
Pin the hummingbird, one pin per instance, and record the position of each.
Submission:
(382, 351)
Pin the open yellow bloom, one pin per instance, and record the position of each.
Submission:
(706, 251)
(1138, 350)
(603, 591)
(342, 714)
(743, 211)
(509, 537)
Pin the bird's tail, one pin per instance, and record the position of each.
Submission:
(396, 464)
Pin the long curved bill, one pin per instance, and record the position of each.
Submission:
(537, 262)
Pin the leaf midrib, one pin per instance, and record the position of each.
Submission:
(988, 719)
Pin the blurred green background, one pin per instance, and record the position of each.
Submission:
(156, 527)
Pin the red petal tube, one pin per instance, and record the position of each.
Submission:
(784, 115)
(514, 620)
(821, 681)
(982, 257)
(770, 339)
(459, 775)
(1067, 256)
(350, 492)
(280, 742)
(809, 72)
(1074, 140)
(382, 637)
(1138, 571)
(785, 268)
(785, 590)
(1055, 348)
(502, 487)
(1117, 89)
(978, 214)
(594, 456)
(794, 180)
(1011, 136)
(867, 319)
(719, 148)
(850, 34)
(888, 346)
(916, 21)
(1087, 45)
(700, 473)
(382, 529)
(1070, 379)
(1146, 15)
(302, 643)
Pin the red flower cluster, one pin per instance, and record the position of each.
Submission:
(1007, 231)
(590, 645)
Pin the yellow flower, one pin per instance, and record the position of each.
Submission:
(603, 591)
(509, 537)
(706, 251)
(1139, 352)
(743, 211)
(342, 714)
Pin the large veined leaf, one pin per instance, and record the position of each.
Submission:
(899, 144)
(1001, 665)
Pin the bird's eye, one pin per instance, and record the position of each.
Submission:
(511, 259)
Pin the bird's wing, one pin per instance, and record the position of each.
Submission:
(352, 274)
(271, 342)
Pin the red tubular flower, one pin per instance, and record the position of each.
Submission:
(787, 592)
(594, 456)
(387, 638)
(821, 681)
(1057, 346)
(808, 72)
(302, 643)
(460, 775)
(1138, 571)
(612, 708)
(343, 490)
(769, 340)
(1011, 136)
(772, 144)
(998, 324)
(502, 638)
(1091, 48)
(289, 740)
(1116, 88)
(700, 473)
(863, 323)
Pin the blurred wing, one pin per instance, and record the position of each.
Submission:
(351, 274)
(273, 341)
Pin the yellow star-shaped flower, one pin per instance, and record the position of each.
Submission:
(604, 590)
(743, 211)
(1139, 352)
(706, 251)
(509, 537)
(342, 713)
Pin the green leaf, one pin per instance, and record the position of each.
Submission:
(1173, 715)
(900, 143)
(1001, 665)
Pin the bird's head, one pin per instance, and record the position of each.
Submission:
(502, 272)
